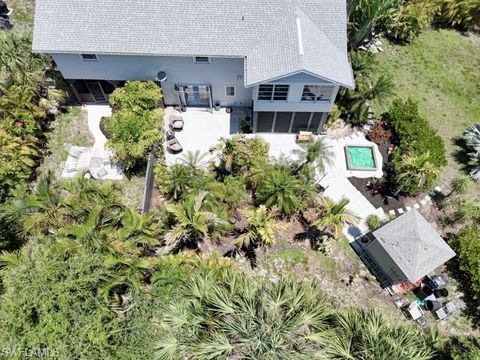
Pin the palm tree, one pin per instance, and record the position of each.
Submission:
(278, 188)
(370, 90)
(367, 15)
(415, 173)
(194, 160)
(363, 334)
(178, 181)
(193, 224)
(226, 151)
(262, 225)
(315, 155)
(236, 318)
(335, 216)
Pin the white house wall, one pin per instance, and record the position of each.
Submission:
(219, 73)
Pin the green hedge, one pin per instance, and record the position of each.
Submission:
(415, 137)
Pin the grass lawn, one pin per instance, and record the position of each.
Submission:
(22, 13)
(440, 70)
(68, 128)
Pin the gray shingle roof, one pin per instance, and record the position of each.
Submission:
(263, 31)
(414, 245)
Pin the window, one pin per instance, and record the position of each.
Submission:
(89, 57)
(316, 93)
(201, 60)
(230, 91)
(273, 92)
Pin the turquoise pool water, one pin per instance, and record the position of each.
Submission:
(360, 158)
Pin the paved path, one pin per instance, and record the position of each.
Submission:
(95, 114)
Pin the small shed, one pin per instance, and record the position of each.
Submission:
(407, 248)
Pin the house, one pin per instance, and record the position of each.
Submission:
(406, 249)
(283, 59)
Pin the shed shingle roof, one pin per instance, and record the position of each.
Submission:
(263, 31)
(414, 245)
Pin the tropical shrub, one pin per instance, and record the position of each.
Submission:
(240, 154)
(134, 134)
(373, 222)
(379, 134)
(460, 14)
(366, 335)
(193, 223)
(412, 17)
(136, 96)
(262, 225)
(367, 16)
(420, 152)
(279, 188)
(61, 310)
(371, 89)
(24, 101)
(236, 318)
(468, 247)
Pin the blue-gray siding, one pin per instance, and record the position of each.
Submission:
(221, 72)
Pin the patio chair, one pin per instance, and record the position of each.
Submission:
(173, 146)
(176, 122)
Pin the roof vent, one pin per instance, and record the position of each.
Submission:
(300, 37)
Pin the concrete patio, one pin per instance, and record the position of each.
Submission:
(202, 130)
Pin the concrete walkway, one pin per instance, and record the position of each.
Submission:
(95, 114)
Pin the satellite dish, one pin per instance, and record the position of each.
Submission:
(161, 76)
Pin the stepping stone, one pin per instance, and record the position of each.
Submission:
(438, 189)
(423, 202)
(416, 206)
(392, 212)
(400, 211)
(408, 208)
(428, 198)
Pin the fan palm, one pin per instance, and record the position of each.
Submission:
(37, 213)
(236, 318)
(195, 160)
(416, 173)
(315, 155)
(335, 216)
(193, 224)
(262, 225)
(366, 335)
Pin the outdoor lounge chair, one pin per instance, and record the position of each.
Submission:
(173, 146)
(73, 151)
(176, 122)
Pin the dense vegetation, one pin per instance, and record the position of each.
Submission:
(403, 20)
(468, 245)
(137, 121)
(420, 154)
(24, 103)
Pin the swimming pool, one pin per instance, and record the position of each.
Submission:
(360, 158)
